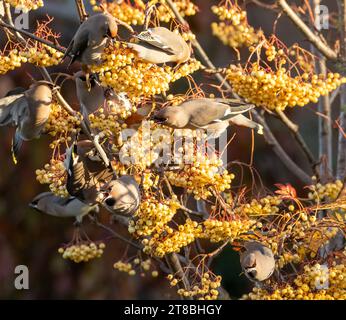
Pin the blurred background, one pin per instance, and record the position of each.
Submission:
(30, 238)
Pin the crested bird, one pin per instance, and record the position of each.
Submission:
(96, 96)
(90, 98)
(90, 40)
(257, 261)
(53, 205)
(160, 45)
(212, 115)
(121, 196)
(28, 110)
(86, 172)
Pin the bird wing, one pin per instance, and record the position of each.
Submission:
(77, 46)
(155, 40)
(205, 115)
(75, 173)
(12, 109)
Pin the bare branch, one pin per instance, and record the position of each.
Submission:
(32, 36)
(327, 51)
(287, 161)
(175, 265)
(298, 137)
(81, 10)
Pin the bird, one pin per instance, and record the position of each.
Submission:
(90, 40)
(93, 98)
(213, 115)
(257, 261)
(86, 172)
(90, 99)
(160, 45)
(122, 196)
(53, 205)
(27, 110)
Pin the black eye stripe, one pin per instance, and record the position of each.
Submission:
(110, 202)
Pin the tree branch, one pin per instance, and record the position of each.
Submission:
(81, 10)
(327, 51)
(287, 161)
(298, 137)
(268, 134)
(48, 78)
(32, 36)
(177, 269)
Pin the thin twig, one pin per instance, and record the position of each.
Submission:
(177, 268)
(81, 10)
(195, 213)
(115, 234)
(287, 161)
(32, 36)
(326, 50)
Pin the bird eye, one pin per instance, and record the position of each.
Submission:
(252, 274)
(110, 202)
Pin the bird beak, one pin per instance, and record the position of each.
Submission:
(109, 93)
(112, 34)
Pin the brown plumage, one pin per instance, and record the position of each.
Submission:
(160, 45)
(122, 196)
(86, 172)
(28, 111)
(53, 205)
(90, 39)
(211, 115)
(257, 261)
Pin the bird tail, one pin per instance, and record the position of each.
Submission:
(243, 121)
(17, 142)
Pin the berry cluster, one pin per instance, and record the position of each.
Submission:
(44, 57)
(32, 51)
(26, 5)
(233, 29)
(124, 72)
(317, 282)
(55, 175)
(216, 230)
(277, 90)
(205, 289)
(204, 172)
(152, 216)
(82, 252)
(329, 191)
(133, 12)
(108, 122)
(143, 148)
(61, 125)
(171, 240)
(137, 264)
(268, 205)
(124, 267)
